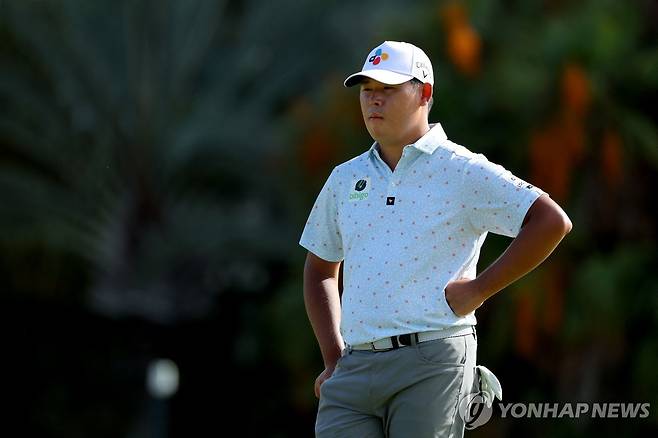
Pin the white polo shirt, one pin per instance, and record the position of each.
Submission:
(405, 234)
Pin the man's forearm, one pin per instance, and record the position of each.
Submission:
(534, 243)
(323, 309)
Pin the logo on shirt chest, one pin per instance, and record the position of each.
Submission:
(360, 189)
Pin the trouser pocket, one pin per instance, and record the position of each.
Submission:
(447, 351)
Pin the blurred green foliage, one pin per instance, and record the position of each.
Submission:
(158, 160)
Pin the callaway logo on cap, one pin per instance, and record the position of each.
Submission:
(394, 62)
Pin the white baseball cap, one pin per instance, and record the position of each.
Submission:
(393, 63)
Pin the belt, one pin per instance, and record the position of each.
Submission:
(395, 342)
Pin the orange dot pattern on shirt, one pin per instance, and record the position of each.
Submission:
(408, 253)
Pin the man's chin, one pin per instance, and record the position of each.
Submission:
(376, 131)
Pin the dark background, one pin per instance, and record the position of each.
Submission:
(158, 160)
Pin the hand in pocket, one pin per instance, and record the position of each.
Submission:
(463, 297)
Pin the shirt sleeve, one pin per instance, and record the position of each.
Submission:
(497, 201)
(322, 235)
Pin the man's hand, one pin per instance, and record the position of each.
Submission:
(463, 296)
(321, 378)
(544, 226)
(322, 301)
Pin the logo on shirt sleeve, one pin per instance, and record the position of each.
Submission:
(360, 189)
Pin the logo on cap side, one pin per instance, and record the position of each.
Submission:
(424, 69)
(378, 57)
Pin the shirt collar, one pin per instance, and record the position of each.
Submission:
(428, 143)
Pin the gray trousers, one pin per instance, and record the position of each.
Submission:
(412, 391)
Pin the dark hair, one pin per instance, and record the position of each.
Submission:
(419, 84)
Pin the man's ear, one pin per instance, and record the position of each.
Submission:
(427, 91)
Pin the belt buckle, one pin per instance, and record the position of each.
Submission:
(405, 340)
(394, 345)
(398, 340)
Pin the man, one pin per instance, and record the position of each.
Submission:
(407, 219)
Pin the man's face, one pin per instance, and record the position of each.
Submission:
(390, 111)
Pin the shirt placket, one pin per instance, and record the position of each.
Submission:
(394, 176)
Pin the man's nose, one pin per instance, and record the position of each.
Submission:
(376, 98)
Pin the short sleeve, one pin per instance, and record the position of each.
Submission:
(321, 235)
(497, 200)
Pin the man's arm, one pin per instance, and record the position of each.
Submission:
(543, 228)
(322, 302)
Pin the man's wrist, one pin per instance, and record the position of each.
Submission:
(330, 365)
(332, 359)
(483, 288)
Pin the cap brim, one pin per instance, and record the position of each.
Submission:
(383, 76)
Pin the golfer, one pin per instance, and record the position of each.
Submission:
(407, 219)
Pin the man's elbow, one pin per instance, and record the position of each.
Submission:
(550, 217)
(560, 222)
(567, 224)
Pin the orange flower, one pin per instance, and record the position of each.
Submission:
(463, 42)
(452, 14)
(317, 150)
(611, 158)
(575, 89)
(554, 152)
(558, 147)
(464, 49)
